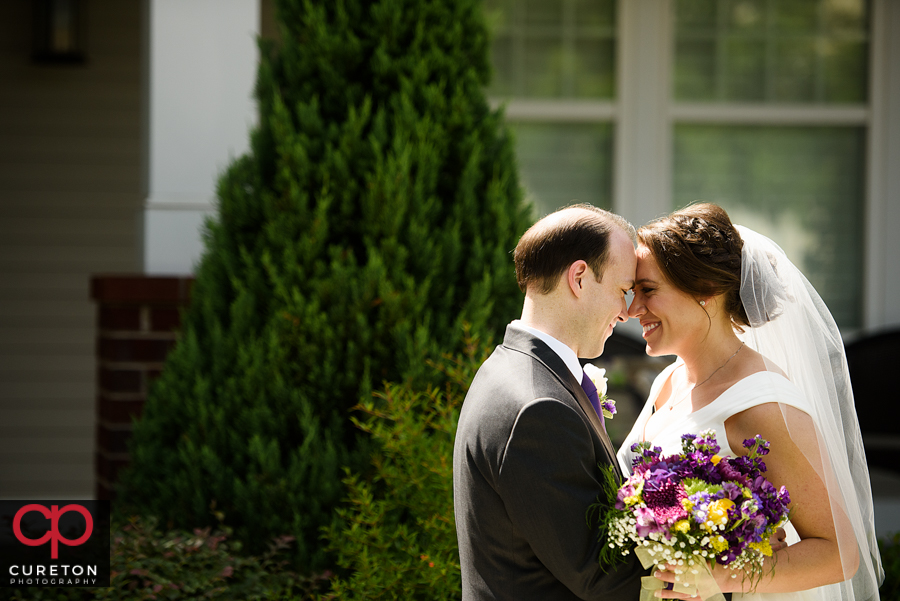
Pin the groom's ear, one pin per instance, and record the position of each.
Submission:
(576, 276)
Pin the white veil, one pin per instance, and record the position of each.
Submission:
(792, 327)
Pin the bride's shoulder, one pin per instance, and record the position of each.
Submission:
(754, 362)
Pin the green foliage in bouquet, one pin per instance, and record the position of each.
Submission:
(395, 536)
(148, 564)
(374, 214)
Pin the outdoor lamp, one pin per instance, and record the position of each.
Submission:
(58, 31)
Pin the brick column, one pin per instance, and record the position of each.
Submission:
(137, 324)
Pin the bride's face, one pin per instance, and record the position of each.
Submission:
(670, 318)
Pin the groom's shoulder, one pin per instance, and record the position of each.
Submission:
(515, 374)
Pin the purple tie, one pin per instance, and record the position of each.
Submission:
(591, 392)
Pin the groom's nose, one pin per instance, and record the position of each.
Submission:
(637, 308)
(623, 314)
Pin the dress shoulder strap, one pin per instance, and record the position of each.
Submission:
(756, 389)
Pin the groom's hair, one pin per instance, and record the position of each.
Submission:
(552, 244)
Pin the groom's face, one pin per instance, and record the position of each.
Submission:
(605, 300)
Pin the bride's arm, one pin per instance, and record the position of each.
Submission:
(816, 559)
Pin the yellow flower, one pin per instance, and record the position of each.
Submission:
(718, 511)
(763, 547)
(629, 501)
(715, 459)
(681, 526)
(719, 544)
(686, 503)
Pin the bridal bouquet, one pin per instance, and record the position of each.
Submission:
(695, 508)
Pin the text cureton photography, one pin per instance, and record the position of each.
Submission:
(52, 543)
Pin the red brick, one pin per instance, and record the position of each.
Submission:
(114, 411)
(164, 319)
(108, 467)
(102, 492)
(119, 380)
(112, 440)
(140, 289)
(111, 317)
(133, 350)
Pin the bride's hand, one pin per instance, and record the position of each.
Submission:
(728, 581)
(665, 593)
(778, 540)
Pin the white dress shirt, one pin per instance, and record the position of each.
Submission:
(565, 352)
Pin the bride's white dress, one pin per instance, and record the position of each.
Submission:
(756, 389)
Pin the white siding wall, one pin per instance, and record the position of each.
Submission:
(70, 161)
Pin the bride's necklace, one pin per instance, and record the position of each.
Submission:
(673, 405)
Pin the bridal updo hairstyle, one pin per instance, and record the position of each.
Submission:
(552, 244)
(698, 250)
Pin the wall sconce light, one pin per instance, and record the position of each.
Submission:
(58, 31)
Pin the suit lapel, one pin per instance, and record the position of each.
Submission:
(524, 342)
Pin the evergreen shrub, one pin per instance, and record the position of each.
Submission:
(395, 534)
(374, 214)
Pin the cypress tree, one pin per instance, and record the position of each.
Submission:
(373, 216)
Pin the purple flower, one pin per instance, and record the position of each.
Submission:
(626, 490)
(644, 455)
(757, 446)
(731, 491)
(728, 472)
(646, 522)
(784, 497)
(706, 442)
(663, 493)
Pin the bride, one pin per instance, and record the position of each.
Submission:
(758, 353)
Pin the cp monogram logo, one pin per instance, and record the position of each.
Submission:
(53, 535)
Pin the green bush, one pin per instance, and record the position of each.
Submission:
(890, 559)
(395, 536)
(148, 564)
(374, 215)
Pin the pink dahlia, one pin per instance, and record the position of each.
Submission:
(663, 497)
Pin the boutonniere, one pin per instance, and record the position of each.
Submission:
(598, 377)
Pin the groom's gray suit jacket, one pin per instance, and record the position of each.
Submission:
(525, 471)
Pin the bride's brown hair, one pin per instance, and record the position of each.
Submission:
(698, 251)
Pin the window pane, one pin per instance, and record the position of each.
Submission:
(801, 186)
(565, 163)
(553, 48)
(803, 51)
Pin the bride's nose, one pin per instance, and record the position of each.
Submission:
(637, 307)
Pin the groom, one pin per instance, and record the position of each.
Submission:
(525, 462)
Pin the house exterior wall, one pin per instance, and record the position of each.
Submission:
(70, 162)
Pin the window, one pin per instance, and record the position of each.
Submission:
(761, 106)
(798, 173)
(554, 69)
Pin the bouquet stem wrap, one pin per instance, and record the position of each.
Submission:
(701, 584)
